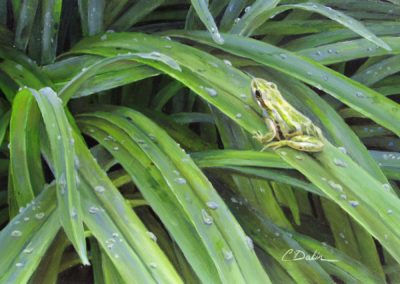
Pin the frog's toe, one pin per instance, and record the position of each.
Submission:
(258, 135)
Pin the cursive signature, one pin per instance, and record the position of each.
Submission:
(297, 255)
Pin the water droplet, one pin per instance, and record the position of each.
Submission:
(71, 141)
(228, 255)
(227, 62)
(152, 236)
(93, 210)
(237, 20)
(167, 38)
(115, 148)
(212, 205)
(342, 235)
(207, 219)
(103, 37)
(99, 188)
(153, 265)
(249, 242)
(16, 234)
(39, 216)
(26, 219)
(343, 150)
(354, 203)
(211, 92)
(343, 196)
(325, 77)
(386, 186)
(168, 46)
(243, 96)
(28, 250)
(19, 67)
(390, 211)
(300, 158)
(238, 115)
(339, 163)
(283, 153)
(283, 56)
(73, 213)
(180, 180)
(19, 264)
(330, 51)
(335, 186)
(360, 94)
(247, 9)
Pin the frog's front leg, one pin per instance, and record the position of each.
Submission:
(267, 137)
(300, 142)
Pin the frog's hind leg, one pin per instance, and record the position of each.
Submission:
(275, 145)
(301, 143)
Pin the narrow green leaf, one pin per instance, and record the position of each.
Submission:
(24, 150)
(63, 153)
(24, 239)
(25, 19)
(51, 16)
(232, 12)
(201, 8)
(350, 50)
(135, 13)
(339, 17)
(254, 16)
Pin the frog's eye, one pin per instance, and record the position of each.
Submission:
(257, 93)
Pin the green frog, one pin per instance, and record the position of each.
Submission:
(286, 125)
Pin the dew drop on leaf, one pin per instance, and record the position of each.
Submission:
(335, 186)
(39, 216)
(16, 234)
(212, 205)
(28, 250)
(93, 210)
(99, 188)
(227, 62)
(339, 163)
(207, 219)
(228, 255)
(152, 236)
(180, 180)
(386, 186)
(354, 203)
(249, 242)
(212, 92)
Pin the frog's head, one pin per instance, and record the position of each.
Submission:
(265, 93)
